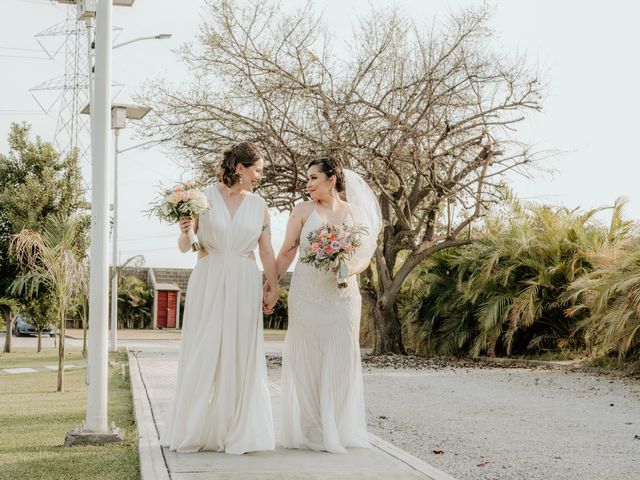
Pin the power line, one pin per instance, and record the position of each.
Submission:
(21, 49)
(37, 2)
(33, 112)
(24, 56)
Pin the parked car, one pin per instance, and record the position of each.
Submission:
(22, 327)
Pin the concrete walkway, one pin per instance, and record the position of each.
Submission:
(152, 380)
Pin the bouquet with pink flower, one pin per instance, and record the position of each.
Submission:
(331, 246)
(183, 200)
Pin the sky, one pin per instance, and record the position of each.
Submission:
(589, 52)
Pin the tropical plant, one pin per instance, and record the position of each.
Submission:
(608, 302)
(53, 264)
(134, 303)
(502, 294)
(80, 306)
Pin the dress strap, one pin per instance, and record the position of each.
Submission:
(309, 216)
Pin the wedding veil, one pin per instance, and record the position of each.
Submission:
(366, 213)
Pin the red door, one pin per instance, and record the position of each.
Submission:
(162, 309)
(172, 300)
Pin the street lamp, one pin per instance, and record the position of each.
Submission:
(120, 113)
(160, 36)
(96, 428)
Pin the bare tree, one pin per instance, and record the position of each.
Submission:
(425, 113)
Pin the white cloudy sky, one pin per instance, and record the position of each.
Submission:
(590, 51)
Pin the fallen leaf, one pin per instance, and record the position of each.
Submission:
(438, 452)
(637, 437)
(481, 464)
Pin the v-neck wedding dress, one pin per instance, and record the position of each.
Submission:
(222, 400)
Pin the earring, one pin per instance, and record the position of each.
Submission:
(241, 181)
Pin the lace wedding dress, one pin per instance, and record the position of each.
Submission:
(322, 388)
(222, 399)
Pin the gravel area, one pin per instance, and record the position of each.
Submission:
(479, 421)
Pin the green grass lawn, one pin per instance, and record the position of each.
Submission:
(34, 419)
(28, 357)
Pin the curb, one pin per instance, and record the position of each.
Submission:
(405, 457)
(152, 462)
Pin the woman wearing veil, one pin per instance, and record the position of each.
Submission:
(322, 389)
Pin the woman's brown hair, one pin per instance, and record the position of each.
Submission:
(243, 153)
(330, 166)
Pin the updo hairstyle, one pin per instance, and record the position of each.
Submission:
(330, 166)
(243, 153)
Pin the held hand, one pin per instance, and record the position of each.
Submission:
(186, 223)
(265, 293)
(269, 298)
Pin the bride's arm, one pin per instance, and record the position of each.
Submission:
(268, 259)
(184, 244)
(291, 239)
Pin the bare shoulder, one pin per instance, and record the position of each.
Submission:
(302, 210)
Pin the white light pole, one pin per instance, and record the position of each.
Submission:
(120, 113)
(96, 419)
(95, 429)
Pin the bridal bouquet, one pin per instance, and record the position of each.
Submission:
(331, 246)
(183, 200)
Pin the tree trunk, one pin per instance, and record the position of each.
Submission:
(84, 333)
(388, 330)
(8, 321)
(61, 355)
(39, 341)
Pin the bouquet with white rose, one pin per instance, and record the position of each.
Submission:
(183, 200)
(331, 247)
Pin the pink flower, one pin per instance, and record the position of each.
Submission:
(315, 246)
(328, 250)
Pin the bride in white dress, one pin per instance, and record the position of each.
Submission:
(222, 401)
(322, 388)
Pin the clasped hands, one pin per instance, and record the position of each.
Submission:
(269, 297)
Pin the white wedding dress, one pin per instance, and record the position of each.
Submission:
(222, 400)
(322, 388)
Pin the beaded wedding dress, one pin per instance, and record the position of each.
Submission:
(322, 388)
